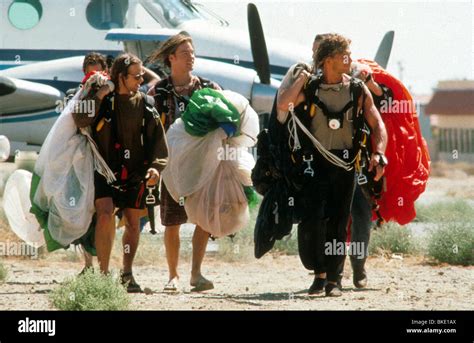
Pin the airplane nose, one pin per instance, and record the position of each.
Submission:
(6, 86)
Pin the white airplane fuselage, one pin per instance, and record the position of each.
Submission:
(50, 54)
(66, 29)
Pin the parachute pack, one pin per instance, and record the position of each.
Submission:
(407, 152)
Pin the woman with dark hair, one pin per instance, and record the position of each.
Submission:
(131, 139)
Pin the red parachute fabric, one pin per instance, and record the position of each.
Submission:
(407, 152)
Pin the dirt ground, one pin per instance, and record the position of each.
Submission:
(272, 283)
(275, 282)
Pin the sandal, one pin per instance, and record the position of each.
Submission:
(85, 270)
(129, 282)
(171, 286)
(203, 284)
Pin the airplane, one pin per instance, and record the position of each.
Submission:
(84, 25)
(30, 92)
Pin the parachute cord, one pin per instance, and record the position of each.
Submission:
(329, 156)
(293, 134)
(99, 163)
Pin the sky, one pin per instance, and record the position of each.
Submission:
(433, 39)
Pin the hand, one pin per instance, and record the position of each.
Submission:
(299, 67)
(375, 163)
(95, 79)
(152, 176)
(361, 71)
(103, 91)
(305, 74)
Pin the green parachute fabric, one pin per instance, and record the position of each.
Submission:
(207, 109)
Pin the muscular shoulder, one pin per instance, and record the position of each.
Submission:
(292, 74)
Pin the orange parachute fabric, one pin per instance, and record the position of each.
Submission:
(407, 152)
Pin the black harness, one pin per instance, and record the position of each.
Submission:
(362, 144)
(107, 113)
(311, 91)
(164, 89)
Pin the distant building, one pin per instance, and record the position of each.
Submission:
(421, 101)
(451, 111)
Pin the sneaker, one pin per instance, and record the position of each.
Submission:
(333, 290)
(129, 282)
(317, 287)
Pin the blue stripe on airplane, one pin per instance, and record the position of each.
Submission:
(137, 36)
(23, 118)
(45, 55)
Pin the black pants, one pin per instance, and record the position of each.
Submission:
(361, 214)
(323, 229)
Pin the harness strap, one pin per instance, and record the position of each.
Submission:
(329, 156)
(329, 114)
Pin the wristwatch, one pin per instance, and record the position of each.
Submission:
(383, 161)
(369, 77)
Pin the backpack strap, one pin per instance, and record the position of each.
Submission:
(361, 130)
(162, 92)
(205, 83)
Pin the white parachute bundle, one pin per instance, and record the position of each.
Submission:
(209, 172)
(63, 182)
(16, 204)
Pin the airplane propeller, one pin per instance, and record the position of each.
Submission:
(385, 48)
(258, 45)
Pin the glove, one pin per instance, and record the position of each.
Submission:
(229, 129)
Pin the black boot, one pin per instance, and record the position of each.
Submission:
(333, 290)
(359, 275)
(318, 286)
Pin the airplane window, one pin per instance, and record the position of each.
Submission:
(144, 20)
(174, 12)
(106, 14)
(25, 14)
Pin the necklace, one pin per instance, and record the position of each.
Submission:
(333, 87)
(187, 86)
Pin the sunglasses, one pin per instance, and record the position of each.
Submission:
(138, 76)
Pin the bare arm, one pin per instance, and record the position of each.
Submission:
(290, 94)
(374, 87)
(150, 78)
(379, 133)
